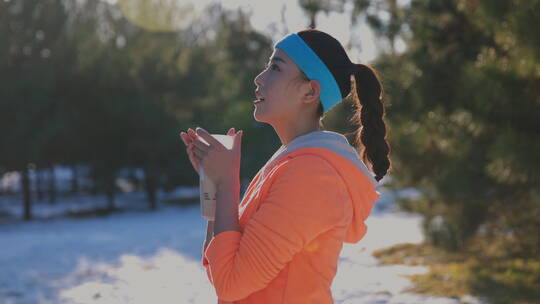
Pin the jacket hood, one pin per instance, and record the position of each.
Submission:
(335, 148)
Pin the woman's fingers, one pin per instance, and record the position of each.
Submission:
(193, 158)
(199, 144)
(185, 138)
(191, 138)
(197, 149)
(197, 155)
(188, 140)
(192, 133)
(200, 152)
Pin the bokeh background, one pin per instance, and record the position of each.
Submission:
(93, 95)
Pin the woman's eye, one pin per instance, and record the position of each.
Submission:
(273, 67)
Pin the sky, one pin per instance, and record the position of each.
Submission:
(278, 18)
(267, 15)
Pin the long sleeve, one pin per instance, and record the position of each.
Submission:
(306, 198)
(204, 262)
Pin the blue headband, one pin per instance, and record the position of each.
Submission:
(306, 59)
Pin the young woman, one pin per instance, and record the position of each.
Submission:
(281, 243)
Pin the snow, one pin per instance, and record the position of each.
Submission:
(140, 256)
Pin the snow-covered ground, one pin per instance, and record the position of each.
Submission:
(154, 257)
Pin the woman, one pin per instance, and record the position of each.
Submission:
(281, 243)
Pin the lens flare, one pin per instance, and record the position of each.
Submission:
(159, 15)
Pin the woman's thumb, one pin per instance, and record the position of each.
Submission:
(238, 139)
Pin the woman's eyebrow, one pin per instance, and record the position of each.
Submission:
(276, 58)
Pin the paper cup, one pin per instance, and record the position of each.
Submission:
(207, 188)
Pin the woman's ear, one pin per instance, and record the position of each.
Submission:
(313, 92)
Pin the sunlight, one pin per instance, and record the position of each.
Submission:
(276, 19)
(167, 276)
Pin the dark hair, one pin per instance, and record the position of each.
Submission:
(366, 92)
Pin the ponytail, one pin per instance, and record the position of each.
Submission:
(366, 93)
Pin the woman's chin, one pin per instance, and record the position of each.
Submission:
(257, 113)
(258, 117)
(264, 115)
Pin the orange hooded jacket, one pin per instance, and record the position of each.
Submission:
(313, 194)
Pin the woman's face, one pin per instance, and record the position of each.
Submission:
(280, 86)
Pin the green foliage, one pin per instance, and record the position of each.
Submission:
(313, 7)
(26, 76)
(488, 274)
(463, 113)
(82, 83)
(508, 281)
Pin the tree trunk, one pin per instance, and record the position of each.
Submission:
(110, 198)
(312, 23)
(74, 180)
(312, 19)
(150, 184)
(134, 179)
(27, 199)
(110, 190)
(95, 183)
(39, 184)
(52, 185)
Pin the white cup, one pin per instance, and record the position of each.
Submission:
(207, 188)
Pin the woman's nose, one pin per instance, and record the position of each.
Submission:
(258, 79)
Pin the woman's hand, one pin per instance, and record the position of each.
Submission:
(219, 163)
(187, 138)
